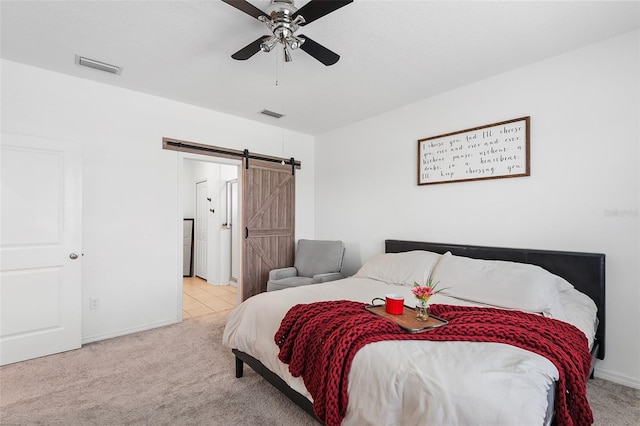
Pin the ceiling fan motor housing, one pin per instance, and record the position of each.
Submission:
(283, 28)
(281, 5)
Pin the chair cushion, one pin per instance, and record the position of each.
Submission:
(318, 257)
(273, 285)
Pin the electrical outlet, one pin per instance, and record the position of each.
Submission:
(94, 303)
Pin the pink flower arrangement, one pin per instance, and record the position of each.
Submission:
(424, 292)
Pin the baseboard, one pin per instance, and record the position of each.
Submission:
(612, 376)
(125, 331)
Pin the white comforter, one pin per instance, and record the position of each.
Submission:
(412, 382)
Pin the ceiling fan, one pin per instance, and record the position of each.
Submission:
(283, 19)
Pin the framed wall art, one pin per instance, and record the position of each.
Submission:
(494, 151)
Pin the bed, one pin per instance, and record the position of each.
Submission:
(413, 382)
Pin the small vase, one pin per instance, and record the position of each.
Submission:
(422, 312)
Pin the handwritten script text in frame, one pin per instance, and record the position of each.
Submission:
(494, 151)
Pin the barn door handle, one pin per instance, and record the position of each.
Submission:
(246, 232)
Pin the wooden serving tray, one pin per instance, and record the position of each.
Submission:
(407, 319)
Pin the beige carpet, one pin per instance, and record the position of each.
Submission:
(182, 375)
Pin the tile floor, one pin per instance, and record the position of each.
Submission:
(201, 298)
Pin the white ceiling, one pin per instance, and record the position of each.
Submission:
(392, 52)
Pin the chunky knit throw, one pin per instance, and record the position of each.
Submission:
(319, 341)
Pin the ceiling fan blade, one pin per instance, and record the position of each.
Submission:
(316, 9)
(318, 51)
(246, 7)
(249, 50)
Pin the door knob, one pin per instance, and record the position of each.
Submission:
(73, 256)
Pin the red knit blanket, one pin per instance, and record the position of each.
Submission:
(319, 341)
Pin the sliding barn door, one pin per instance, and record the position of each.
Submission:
(268, 222)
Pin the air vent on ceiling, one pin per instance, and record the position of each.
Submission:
(92, 63)
(271, 113)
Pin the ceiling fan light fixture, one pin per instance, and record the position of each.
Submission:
(269, 44)
(295, 42)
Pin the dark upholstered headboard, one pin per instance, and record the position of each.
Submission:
(586, 271)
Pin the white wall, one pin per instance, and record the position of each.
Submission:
(131, 215)
(582, 194)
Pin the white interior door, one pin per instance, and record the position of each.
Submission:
(40, 247)
(201, 249)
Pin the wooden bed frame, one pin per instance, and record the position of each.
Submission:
(586, 271)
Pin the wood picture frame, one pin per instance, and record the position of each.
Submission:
(494, 151)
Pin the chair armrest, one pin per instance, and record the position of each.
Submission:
(323, 278)
(280, 273)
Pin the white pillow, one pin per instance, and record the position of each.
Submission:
(400, 268)
(562, 284)
(581, 311)
(500, 283)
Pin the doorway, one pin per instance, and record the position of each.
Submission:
(211, 286)
(266, 203)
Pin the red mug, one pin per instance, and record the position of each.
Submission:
(393, 303)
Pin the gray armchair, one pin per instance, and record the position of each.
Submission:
(316, 261)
